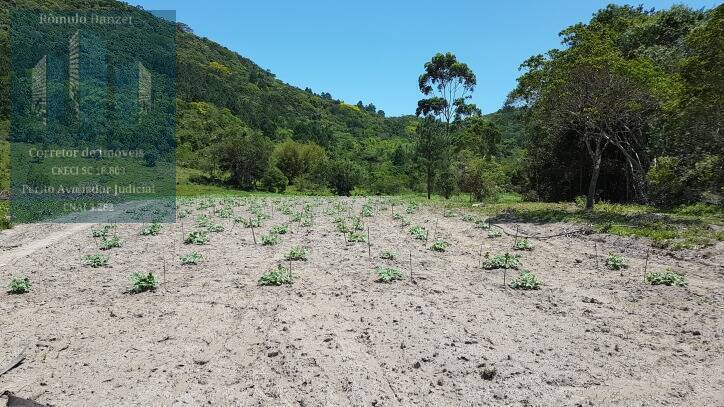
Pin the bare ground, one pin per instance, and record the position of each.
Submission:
(336, 337)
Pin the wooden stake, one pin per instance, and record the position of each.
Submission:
(516, 235)
(595, 247)
(646, 264)
(411, 278)
(369, 244)
(480, 256)
(253, 235)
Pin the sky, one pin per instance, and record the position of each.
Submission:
(374, 51)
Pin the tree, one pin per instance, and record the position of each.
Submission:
(449, 84)
(481, 136)
(430, 145)
(343, 175)
(274, 180)
(245, 156)
(296, 159)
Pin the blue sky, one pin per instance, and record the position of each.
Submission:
(374, 50)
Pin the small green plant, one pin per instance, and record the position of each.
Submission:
(468, 217)
(96, 260)
(357, 224)
(270, 240)
(522, 244)
(151, 230)
(411, 208)
(449, 214)
(281, 275)
(398, 216)
(388, 274)
(19, 286)
(615, 262)
(109, 243)
(296, 253)
(418, 232)
(279, 230)
(143, 282)
(482, 224)
(503, 261)
(214, 227)
(667, 277)
(102, 232)
(357, 237)
(191, 258)
(525, 281)
(388, 255)
(307, 222)
(439, 245)
(197, 237)
(342, 227)
(366, 210)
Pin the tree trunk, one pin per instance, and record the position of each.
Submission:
(594, 181)
(429, 181)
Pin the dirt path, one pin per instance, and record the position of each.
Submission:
(453, 335)
(25, 240)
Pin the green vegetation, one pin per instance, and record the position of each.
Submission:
(356, 237)
(197, 237)
(388, 255)
(19, 286)
(191, 258)
(143, 282)
(525, 281)
(151, 230)
(503, 261)
(388, 274)
(281, 275)
(109, 243)
(296, 253)
(667, 277)
(439, 245)
(279, 230)
(96, 260)
(522, 244)
(270, 239)
(102, 232)
(418, 232)
(616, 262)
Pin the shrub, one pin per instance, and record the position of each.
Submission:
(525, 281)
(253, 222)
(522, 244)
(494, 233)
(482, 224)
(197, 237)
(19, 286)
(274, 180)
(388, 255)
(270, 240)
(504, 261)
(191, 258)
(143, 282)
(96, 260)
(109, 243)
(616, 262)
(281, 275)
(296, 253)
(667, 277)
(418, 232)
(151, 230)
(439, 245)
(388, 274)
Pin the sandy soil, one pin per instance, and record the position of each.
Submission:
(336, 337)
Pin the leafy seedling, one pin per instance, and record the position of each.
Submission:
(525, 281)
(503, 261)
(296, 253)
(96, 260)
(357, 237)
(482, 224)
(667, 277)
(279, 230)
(439, 245)
(418, 232)
(143, 282)
(19, 286)
(494, 233)
(197, 237)
(270, 240)
(281, 275)
(109, 243)
(102, 232)
(191, 258)
(388, 274)
(522, 244)
(214, 227)
(151, 230)
(615, 262)
(388, 255)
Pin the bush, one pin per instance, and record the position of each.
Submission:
(274, 180)
(667, 277)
